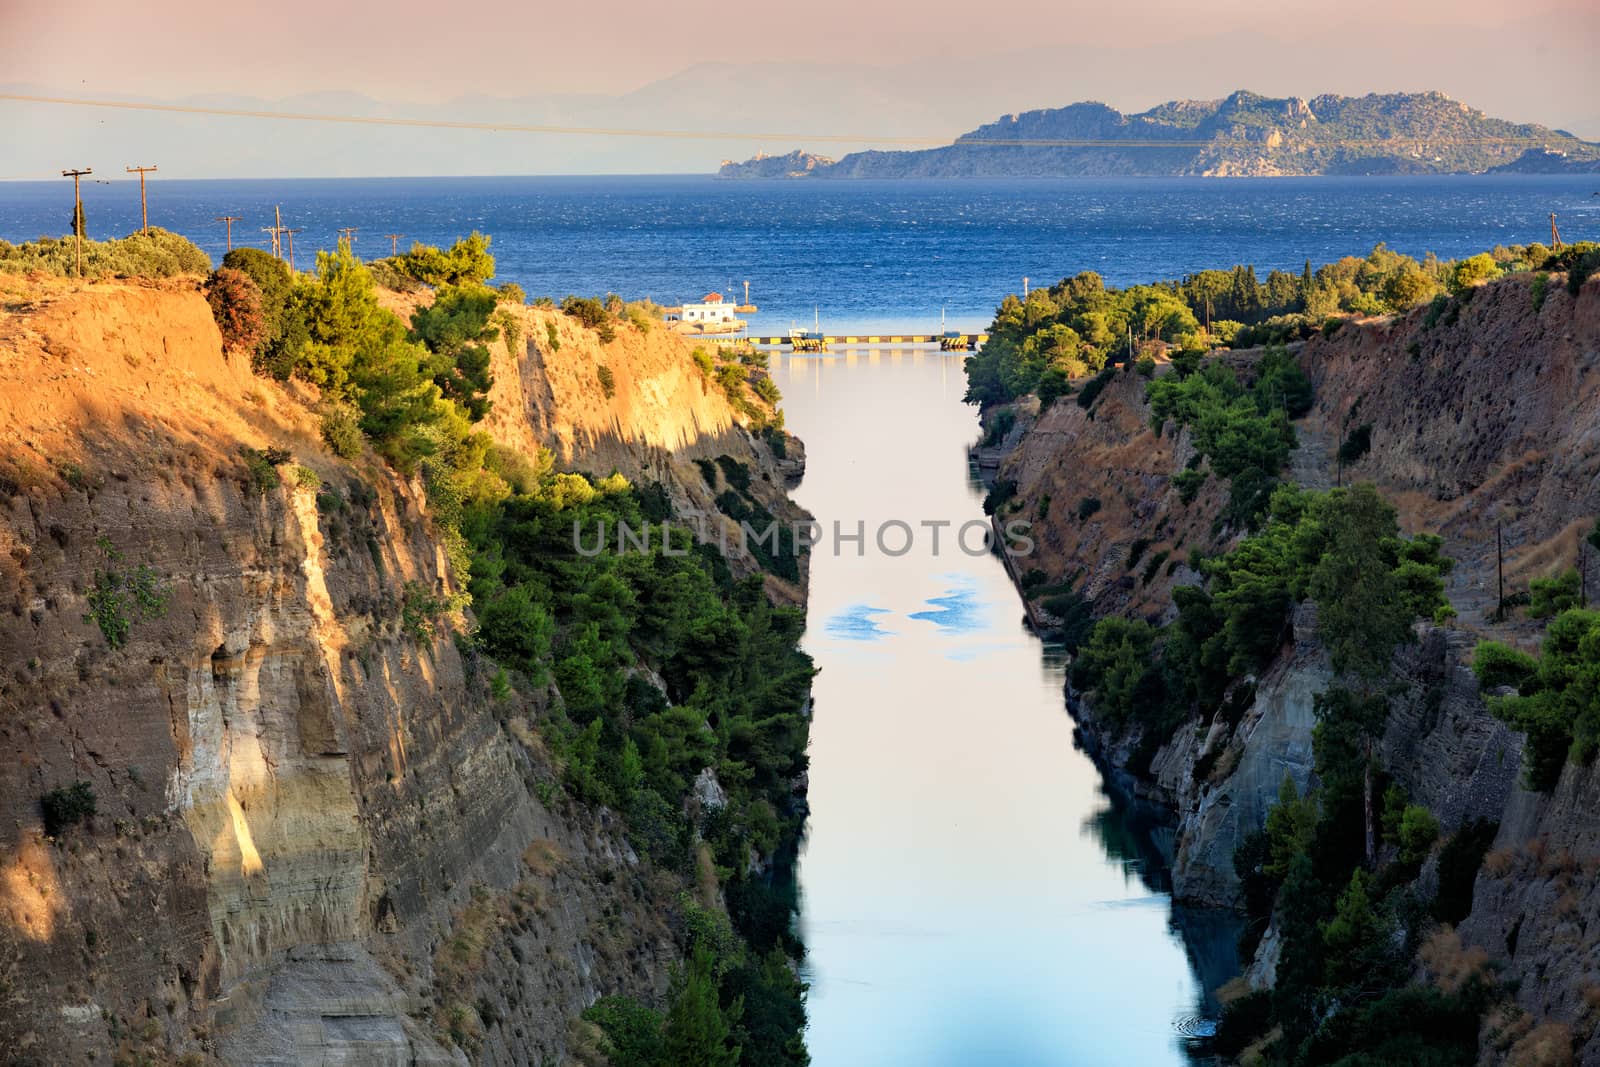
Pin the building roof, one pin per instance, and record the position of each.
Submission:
(713, 298)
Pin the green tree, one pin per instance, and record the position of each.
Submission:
(1356, 938)
(1558, 704)
(1417, 832)
(1551, 596)
(1408, 286)
(697, 1032)
(283, 333)
(467, 262)
(456, 330)
(1291, 823)
(1362, 612)
(1473, 271)
(517, 631)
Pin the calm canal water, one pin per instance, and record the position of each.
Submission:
(970, 894)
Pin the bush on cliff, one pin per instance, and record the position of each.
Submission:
(153, 253)
(467, 262)
(67, 806)
(1555, 700)
(1245, 433)
(283, 329)
(593, 315)
(235, 302)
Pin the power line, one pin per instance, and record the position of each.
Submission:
(738, 135)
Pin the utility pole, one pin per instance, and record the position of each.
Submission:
(348, 234)
(291, 234)
(1500, 570)
(277, 230)
(230, 220)
(1583, 573)
(747, 292)
(1555, 234)
(1024, 288)
(394, 243)
(77, 214)
(144, 207)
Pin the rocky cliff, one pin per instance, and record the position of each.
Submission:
(318, 836)
(1482, 417)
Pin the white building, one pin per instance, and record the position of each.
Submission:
(712, 311)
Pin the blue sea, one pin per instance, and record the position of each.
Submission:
(861, 254)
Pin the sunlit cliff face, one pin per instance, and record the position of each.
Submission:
(30, 890)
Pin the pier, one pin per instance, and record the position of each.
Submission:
(965, 342)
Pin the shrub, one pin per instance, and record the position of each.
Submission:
(1473, 271)
(341, 431)
(235, 302)
(1539, 289)
(512, 293)
(118, 597)
(999, 427)
(552, 336)
(306, 478)
(998, 495)
(1136, 551)
(1087, 507)
(67, 806)
(1356, 444)
(261, 469)
(1417, 832)
(1188, 483)
(153, 253)
(702, 359)
(1554, 704)
(1092, 389)
(767, 389)
(1551, 596)
(593, 315)
(608, 381)
(467, 262)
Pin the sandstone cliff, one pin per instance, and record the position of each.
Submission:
(1483, 415)
(319, 836)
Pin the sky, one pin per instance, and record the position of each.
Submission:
(934, 68)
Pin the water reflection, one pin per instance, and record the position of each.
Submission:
(972, 893)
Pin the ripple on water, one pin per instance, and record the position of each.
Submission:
(856, 623)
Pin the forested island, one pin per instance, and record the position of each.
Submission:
(1243, 134)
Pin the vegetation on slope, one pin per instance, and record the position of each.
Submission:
(153, 253)
(677, 691)
(1077, 326)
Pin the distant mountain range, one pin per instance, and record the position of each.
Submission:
(1242, 134)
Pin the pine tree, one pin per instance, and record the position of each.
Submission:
(696, 1034)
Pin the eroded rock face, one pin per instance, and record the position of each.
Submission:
(1272, 740)
(1482, 417)
(318, 836)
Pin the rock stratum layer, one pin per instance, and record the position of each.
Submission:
(317, 834)
(1481, 420)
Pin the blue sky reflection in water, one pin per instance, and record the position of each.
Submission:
(960, 904)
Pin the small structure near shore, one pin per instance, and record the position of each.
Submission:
(711, 315)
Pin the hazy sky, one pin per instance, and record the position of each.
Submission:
(936, 66)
